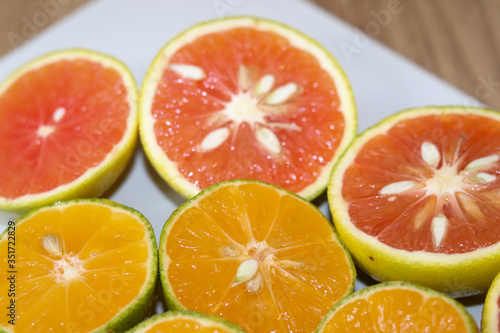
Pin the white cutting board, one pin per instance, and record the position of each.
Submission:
(135, 30)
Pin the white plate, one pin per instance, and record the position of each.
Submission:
(134, 31)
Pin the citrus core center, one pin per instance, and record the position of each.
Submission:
(243, 107)
(445, 180)
(68, 268)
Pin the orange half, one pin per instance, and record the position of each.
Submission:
(397, 307)
(68, 126)
(244, 97)
(491, 312)
(256, 255)
(79, 266)
(186, 322)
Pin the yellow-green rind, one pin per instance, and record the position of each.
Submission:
(98, 179)
(168, 169)
(141, 307)
(169, 295)
(491, 310)
(467, 318)
(457, 275)
(201, 318)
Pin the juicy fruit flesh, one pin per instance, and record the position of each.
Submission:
(57, 122)
(430, 183)
(396, 310)
(185, 325)
(235, 113)
(100, 269)
(302, 270)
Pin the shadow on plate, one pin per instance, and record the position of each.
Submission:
(126, 172)
(167, 191)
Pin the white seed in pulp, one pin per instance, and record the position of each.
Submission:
(52, 245)
(438, 227)
(188, 71)
(483, 177)
(268, 139)
(282, 94)
(215, 138)
(246, 271)
(397, 187)
(430, 154)
(264, 85)
(255, 284)
(58, 114)
(482, 162)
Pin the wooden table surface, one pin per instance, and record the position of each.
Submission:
(458, 40)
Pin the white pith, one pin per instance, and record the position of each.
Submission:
(256, 259)
(68, 268)
(168, 169)
(45, 130)
(446, 180)
(251, 105)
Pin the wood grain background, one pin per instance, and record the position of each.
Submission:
(458, 40)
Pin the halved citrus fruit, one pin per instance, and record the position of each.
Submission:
(244, 97)
(87, 265)
(185, 321)
(416, 198)
(68, 126)
(256, 255)
(491, 311)
(397, 307)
